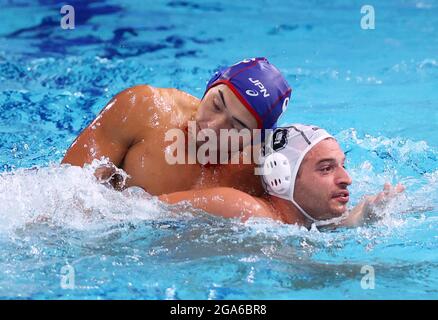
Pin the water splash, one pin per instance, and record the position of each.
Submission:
(67, 196)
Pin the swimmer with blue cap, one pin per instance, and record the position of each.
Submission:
(139, 130)
(305, 180)
(254, 84)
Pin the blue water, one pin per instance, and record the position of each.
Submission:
(376, 90)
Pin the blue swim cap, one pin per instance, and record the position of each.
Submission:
(259, 86)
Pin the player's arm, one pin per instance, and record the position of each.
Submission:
(224, 202)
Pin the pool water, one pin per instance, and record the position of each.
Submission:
(63, 236)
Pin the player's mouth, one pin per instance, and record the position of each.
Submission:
(342, 196)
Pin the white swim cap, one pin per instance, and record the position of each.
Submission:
(284, 151)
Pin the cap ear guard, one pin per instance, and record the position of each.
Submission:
(277, 175)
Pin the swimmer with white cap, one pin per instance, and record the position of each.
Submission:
(305, 180)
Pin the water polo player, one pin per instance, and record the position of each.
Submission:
(131, 129)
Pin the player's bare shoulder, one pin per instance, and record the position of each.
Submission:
(185, 100)
(129, 105)
(174, 106)
(142, 108)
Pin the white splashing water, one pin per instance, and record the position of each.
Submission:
(67, 196)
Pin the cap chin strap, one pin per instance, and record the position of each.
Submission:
(304, 212)
(317, 222)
